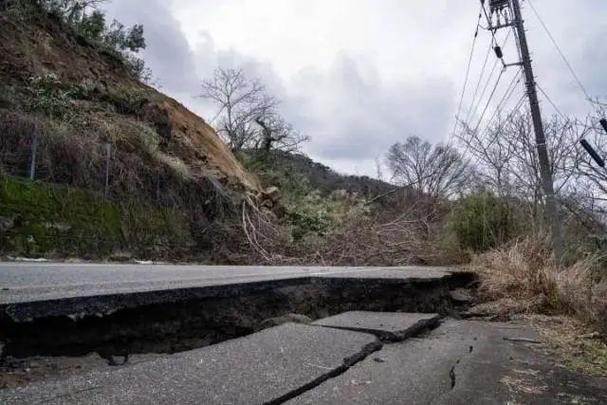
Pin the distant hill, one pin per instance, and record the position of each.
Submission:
(322, 177)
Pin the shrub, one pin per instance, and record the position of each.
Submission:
(89, 25)
(50, 97)
(482, 221)
(525, 275)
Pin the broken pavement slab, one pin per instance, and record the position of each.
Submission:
(461, 362)
(388, 326)
(267, 367)
(38, 290)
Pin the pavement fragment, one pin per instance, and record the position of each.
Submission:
(388, 326)
(267, 367)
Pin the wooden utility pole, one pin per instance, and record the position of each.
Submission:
(552, 209)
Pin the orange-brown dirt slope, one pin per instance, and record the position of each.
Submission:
(49, 72)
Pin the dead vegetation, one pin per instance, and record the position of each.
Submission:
(578, 345)
(522, 277)
(344, 231)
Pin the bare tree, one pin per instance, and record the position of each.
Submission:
(248, 115)
(591, 177)
(506, 159)
(241, 101)
(278, 134)
(439, 171)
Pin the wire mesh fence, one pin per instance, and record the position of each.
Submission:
(158, 209)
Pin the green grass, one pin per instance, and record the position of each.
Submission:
(52, 220)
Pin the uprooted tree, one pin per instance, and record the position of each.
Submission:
(248, 116)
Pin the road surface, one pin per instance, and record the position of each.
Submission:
(356, 356)
(29, 282)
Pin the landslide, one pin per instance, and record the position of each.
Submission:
(174, 189)
(94, 94)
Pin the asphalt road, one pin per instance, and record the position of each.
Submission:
(460, 362)
(31, 282)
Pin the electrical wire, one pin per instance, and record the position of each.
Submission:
(474, 105)
(552, 103)
(474, 108)
(480, 79)
(499, 78)
(562, 54)
(489, 24)
(467, 76)
(514, 110)
(507, 95)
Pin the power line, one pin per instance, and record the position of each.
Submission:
(514, 110)
(494, 41)
(480, 78)
(562, 54)
(467, 76)
(509, 117)
(507, 95)
(499, 78)
(552, 103)
(473, 105)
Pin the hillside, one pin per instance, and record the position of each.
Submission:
(97, 141)
(92, 90)
(318, 176)
(120, 171)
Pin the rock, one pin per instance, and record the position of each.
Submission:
(461, 295)
(294, 318)
(339, 195)
(59, 226)
(121, 257)
(272, 193)
(6, 224)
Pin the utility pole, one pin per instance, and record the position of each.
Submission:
(515, 20)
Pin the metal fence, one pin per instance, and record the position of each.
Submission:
(25, 162)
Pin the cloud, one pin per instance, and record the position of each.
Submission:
(168, 54)
(360, 75)
(353, 114)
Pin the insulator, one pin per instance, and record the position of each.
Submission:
(497, 5)
(498, 52)
(595, 156)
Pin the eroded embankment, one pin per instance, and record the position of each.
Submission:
(177, 320)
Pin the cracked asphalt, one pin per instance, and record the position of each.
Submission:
(354, 357)
(458, 362)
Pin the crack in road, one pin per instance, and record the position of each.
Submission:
(418, 329)
(347, 364)
(452, 374)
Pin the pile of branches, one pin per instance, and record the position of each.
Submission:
(405, 235)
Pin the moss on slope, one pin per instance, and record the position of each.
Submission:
(38, 219)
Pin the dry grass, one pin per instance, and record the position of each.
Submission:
(577, 344)
(525, 274)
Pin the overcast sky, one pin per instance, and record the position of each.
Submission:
(360, 75)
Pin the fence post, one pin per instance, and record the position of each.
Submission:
(157, 187)
(32, 168)
(108, 156)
